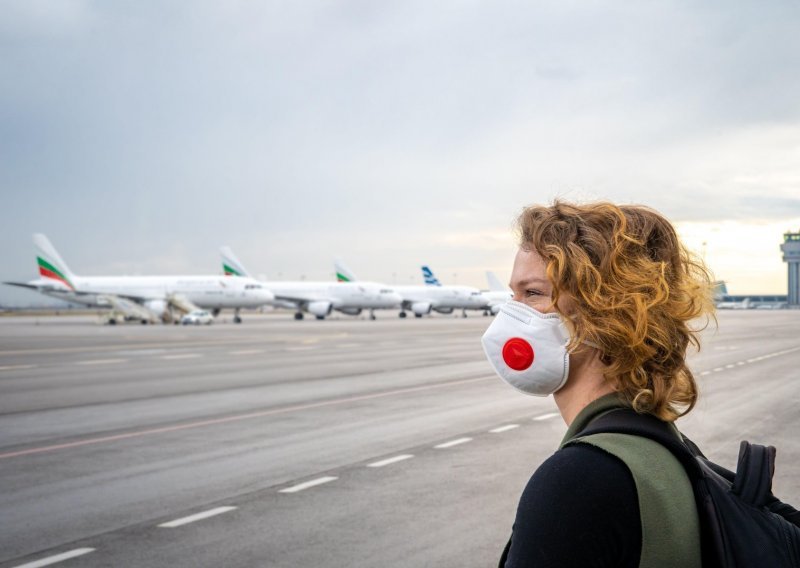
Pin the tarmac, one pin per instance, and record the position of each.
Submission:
(344, 442)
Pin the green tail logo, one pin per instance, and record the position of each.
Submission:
(49, 271)
(230, 271)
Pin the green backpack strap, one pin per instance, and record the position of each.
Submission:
(670, 525)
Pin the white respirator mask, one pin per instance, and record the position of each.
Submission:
(528, 348)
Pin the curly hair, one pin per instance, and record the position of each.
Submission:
(635, 288)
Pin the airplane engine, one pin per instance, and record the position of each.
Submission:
(350, 311)
(444, 310)
(319, 308)
(160, 308)
(495, 309)
(421, 308)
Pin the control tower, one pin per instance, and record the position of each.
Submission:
(791, 256)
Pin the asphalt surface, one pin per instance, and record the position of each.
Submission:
(338, 443)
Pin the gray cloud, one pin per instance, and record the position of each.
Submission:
(141, 136)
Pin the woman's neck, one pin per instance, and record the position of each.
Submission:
(585, 384)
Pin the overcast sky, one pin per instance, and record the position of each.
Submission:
(141, 136)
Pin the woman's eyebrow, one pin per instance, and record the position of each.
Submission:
(524, 283)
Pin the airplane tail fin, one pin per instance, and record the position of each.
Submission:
(494, 282)
(429, 277)
(343, 273)
(50, 263)
(230, 264)
(720, 289)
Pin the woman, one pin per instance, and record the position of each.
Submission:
(603, 300)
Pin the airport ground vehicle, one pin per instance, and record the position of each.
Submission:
(198, 317)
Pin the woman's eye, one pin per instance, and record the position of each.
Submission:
(533, 293)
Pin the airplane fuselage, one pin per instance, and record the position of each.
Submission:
(443, 297)
(207, 292)
(341, 295)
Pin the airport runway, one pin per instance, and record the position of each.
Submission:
(335, 443)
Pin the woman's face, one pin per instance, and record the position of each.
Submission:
(529, 281)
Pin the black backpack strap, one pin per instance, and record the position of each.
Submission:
(752, 481)
(754, 471)
(784, 510)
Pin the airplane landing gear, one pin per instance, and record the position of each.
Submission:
(464, 313)
(320, 317)
(298, 316)
(401, 315)
(372, 314)
(417, 315)
(236, 317)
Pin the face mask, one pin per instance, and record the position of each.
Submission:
(528, 349)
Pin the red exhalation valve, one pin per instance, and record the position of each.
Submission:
(518, 354)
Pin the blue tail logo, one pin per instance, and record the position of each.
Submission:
(430, 279)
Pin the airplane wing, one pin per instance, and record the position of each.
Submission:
(292, 301)
(23, 285)
(40, 287)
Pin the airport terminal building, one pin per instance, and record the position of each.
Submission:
(791, 256)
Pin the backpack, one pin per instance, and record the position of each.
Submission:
(742, 524)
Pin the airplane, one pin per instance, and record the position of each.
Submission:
(497, 295)
(320, 298)
(422, 300)
(144, 298)
(431, 280)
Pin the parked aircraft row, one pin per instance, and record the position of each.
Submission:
(165, 298)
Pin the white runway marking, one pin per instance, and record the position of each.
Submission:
(247, 352)
(301, 348)
(16, 367)
(729, 366)
(740, 363)
(57, 558)
(547, 416)
(505, 428)
(307, 484)
(182, 356)
(452, 443)
(718, 369)
(101, 361)
(390, 461)
(197, 517)
(704, 373)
